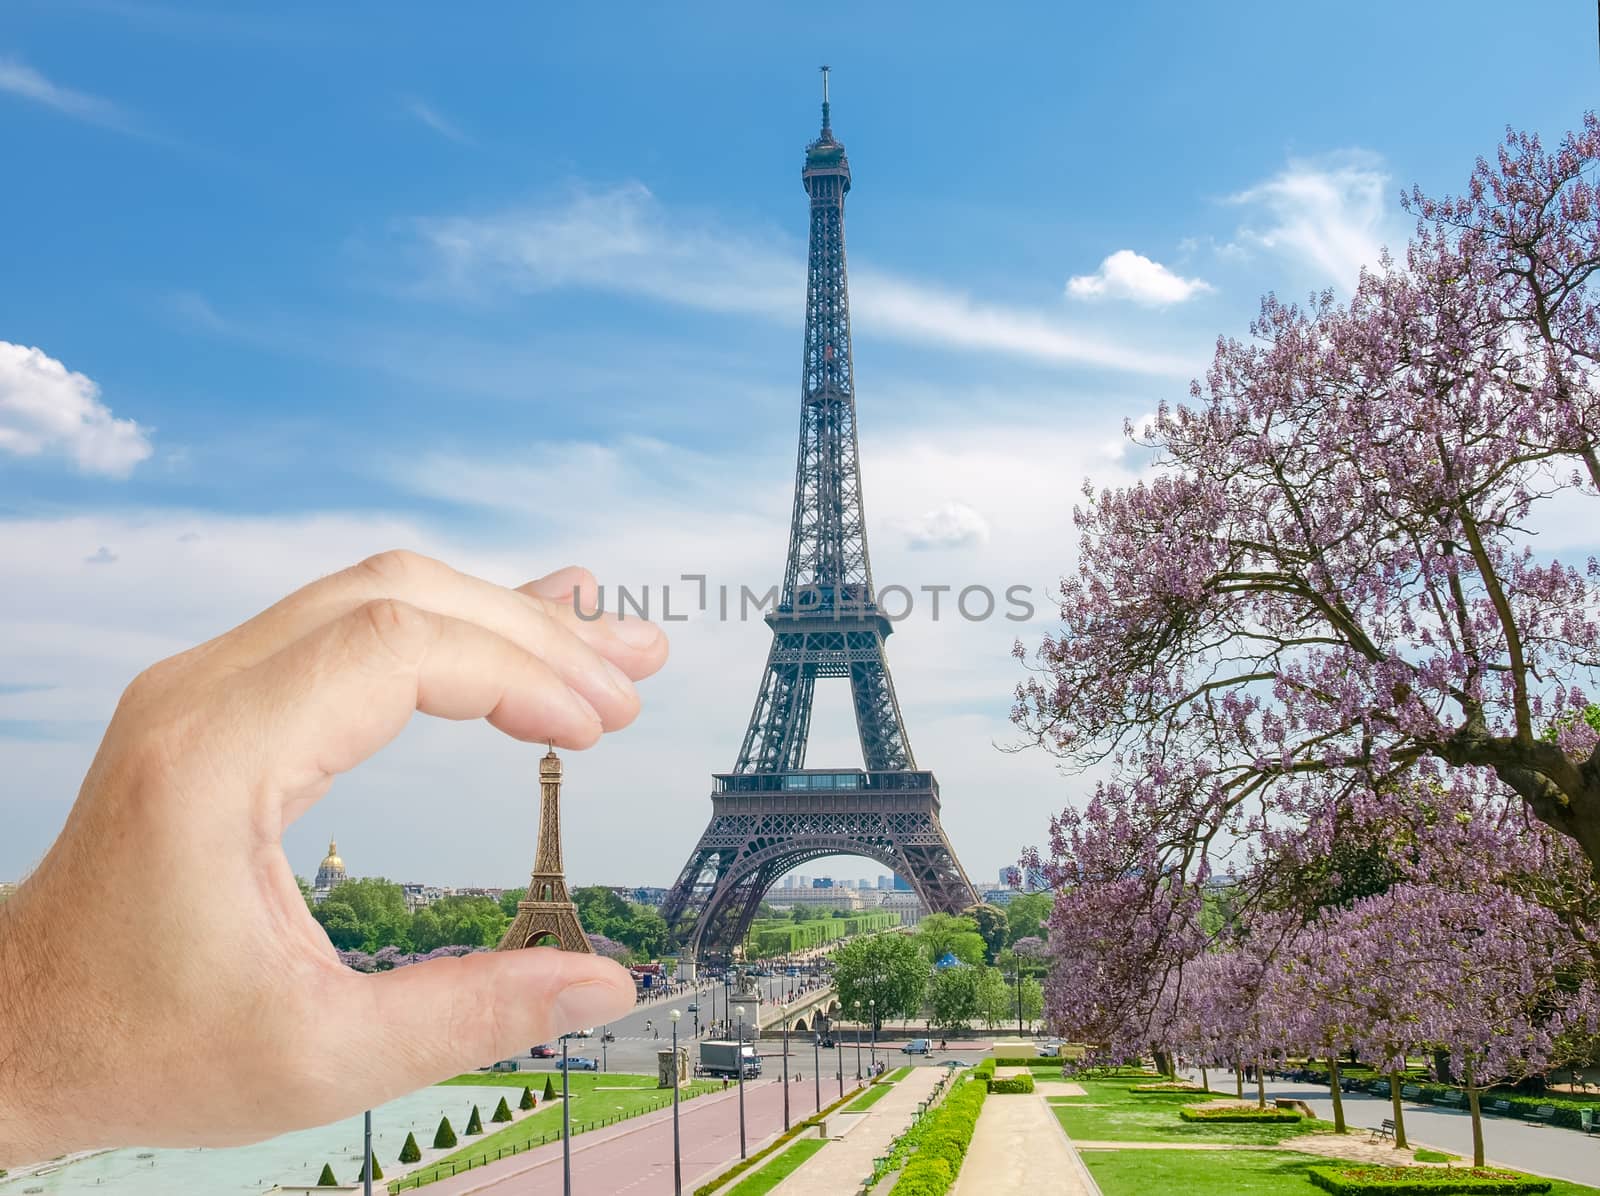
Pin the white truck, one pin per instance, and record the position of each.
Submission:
(722, 1059)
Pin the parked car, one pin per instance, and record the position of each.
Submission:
(918, 1046)
(578, 1063)
(692, 1007)
(544, 1051)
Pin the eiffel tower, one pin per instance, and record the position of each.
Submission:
(546, 916)
(772, 813)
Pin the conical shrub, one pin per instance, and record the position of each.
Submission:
(444, 1137)
(502, 1111)
(527, 1101)
(474, 1123)
(549, 1088)
(326, 1180)
(411, 1152)
(377, 1169)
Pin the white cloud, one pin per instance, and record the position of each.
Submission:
(622, 240)
(19, 79)
(104, 556)
(439, 123)
(1129, 275)
(951, 525)
(1329, 213)
(46, 408)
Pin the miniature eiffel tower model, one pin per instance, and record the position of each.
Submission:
(546, 916)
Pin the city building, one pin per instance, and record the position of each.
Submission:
(419, 895)
(905, 903)
(885, 882)
(330, 874)
(824, 898)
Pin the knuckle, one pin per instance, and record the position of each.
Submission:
(398, 567)
(400, 629)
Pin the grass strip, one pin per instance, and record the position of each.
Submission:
(869, 1098)
(775, 1172)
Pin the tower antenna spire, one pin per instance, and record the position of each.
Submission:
(826, 127)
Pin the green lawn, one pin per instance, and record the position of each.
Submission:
(868, 1098)
(581, 1080)
(1110, 1113)
(779, 1169)
(1223, 1173)
(898, 1073)
(597, 1099)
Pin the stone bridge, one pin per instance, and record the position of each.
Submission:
(814, 1010)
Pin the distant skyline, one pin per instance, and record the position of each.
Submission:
(290, 286)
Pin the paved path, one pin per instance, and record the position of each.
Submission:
(841, 1165)
(1545, 1150)
(636, 1156)
(1019, 1139)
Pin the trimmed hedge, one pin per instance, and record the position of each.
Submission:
(1424, 1181)
(549, 1088)
(1013, 1084)
(766, 1152)
(444, 1137)
(474, 1122)
(943, 1137)
(326, 1180)
(1050, 1061)
(502, 1111)
(411, 1152)
(1167, 1086)
(1236, 1113)
(377, 1168)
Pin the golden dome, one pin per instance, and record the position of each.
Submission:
(332, 860)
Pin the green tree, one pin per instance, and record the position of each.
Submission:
(411, 1152)
(307, 894)
(994, 997)
(527, 1101)
(884, 968)
(444, 1137)
(502, 1111)
(953, 996)
(509, 899)
(377, 1169)
(380, 908)
(475, 1122)
(340, 922)
(427, 932)
(939, 935)
(1027, 914)
(993, 925)
(326, 1180)
(549, 1088)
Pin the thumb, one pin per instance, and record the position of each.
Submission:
(434, 1020)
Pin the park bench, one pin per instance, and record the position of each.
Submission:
(1386, 1130)
(1410, 1091)
(1502, 1107)
(1379, 1088)
(1589, 1121)
(1453, 1100)
(1350, 1085)
(1544, 1113)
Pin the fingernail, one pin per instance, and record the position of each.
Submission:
(636, 633)
(588, 1003)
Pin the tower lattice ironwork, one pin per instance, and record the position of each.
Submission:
(772, 813)
(546, 915)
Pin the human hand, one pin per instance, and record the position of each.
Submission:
(161, 980)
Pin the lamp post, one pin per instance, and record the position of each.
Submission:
(677, 1150)
(872, 1014)
(1016, 980)
(858, 1039)
(604, 1032)
(366, 1164)
(740, 1058)
(816, 1066)
(566, 1123)
(838, 1062)
(786, 1073)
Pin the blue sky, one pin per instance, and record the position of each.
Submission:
(285, 285)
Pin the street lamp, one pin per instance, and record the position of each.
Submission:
(739, 1056)
(566, 1122)
(677, 1153)
(838, 1062)
(816, 1066)
(605, 1032)
(785, 1072)
(858, 1039)
(366, 1164)
(872, 1013)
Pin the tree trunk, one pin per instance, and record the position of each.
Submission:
(1339, 1126)
(1261, 1085)
(1238, 1077)
(1163, 1062)
(1399, 1115)
(1441, 1066)
(1204, 1083)
(1477, 1114)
